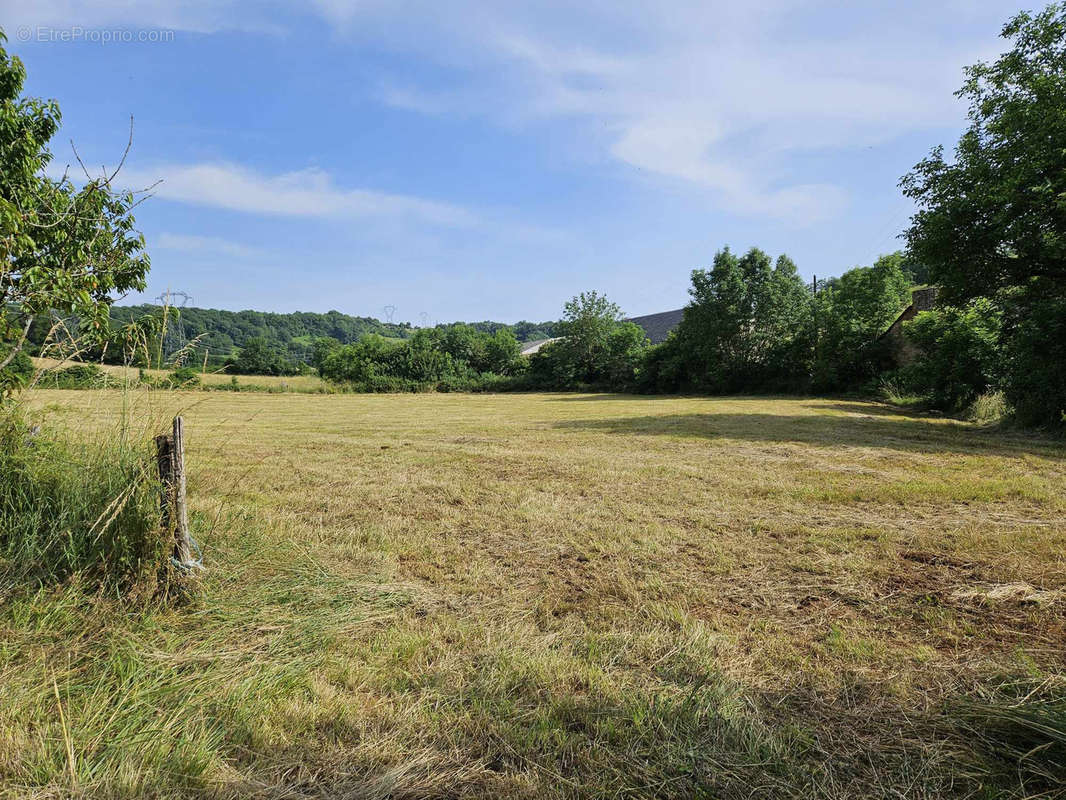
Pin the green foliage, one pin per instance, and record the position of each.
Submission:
(184, 378)
(91, 509)
(524, 331)
(221, 334)
(62, 249)
(961, 357)
(76, 376)
(992, 221)
(597, 348)
(989, 407)
(1034, 347)
(995, 216)
(17, 373)
(321, 347)
(747, 328)
(452, 358)
(851, 312)
(259, 357)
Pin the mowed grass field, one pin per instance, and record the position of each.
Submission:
(281, 383)
(557, 596)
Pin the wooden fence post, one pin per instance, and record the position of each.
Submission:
(170, 452)
(162, 453)
(182, 545)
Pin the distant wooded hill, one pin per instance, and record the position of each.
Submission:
(222, 333)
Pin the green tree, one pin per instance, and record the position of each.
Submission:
(991, 222)
(259, 357)
(961, 352)
(321, 348)
(503, 353)
(851, 312)
(62, 248)
(597, 347)
(588, 321)
(995, 215)
(747, 328)
(370, 358)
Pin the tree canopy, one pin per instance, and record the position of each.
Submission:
(596, 347)
(991, 223)
(62, 248)
(995, 216)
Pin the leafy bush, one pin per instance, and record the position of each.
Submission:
(961, 354)
(76, 376)
(184, 378)
(68, 508)
(596, 349)
(850, 314)
(260, 357)
(1035, 360)
(456, 358)
(16, 374)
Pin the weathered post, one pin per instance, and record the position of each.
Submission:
(170, 453)
(162, 454)
(182, 544)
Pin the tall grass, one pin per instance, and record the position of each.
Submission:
(1019, 741)
(988, 408)
(74, 505)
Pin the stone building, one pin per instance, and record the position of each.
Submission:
(902, 350)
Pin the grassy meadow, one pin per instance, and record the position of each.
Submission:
(561, 596)
(121, 374)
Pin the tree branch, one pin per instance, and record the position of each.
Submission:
(19, 345)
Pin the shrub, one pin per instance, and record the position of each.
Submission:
(664, 369)
(1035, 364)
(16, 374)
(77, 376)
(961, 353)
(68, 508)
(851, 312)
(184, 378)
(260, 357)
(453, 359)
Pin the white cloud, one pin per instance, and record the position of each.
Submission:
(719, 96)
(206, 246)
(304, 193)
(715, 94)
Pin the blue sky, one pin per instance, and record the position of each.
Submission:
(487, 160)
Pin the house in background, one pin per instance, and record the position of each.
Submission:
(901, 349)
(658, 326)
(529, 348)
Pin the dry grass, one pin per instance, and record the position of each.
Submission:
(290, 383)
(556, 595)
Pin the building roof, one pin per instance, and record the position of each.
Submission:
(529, 348)
(658, 326)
